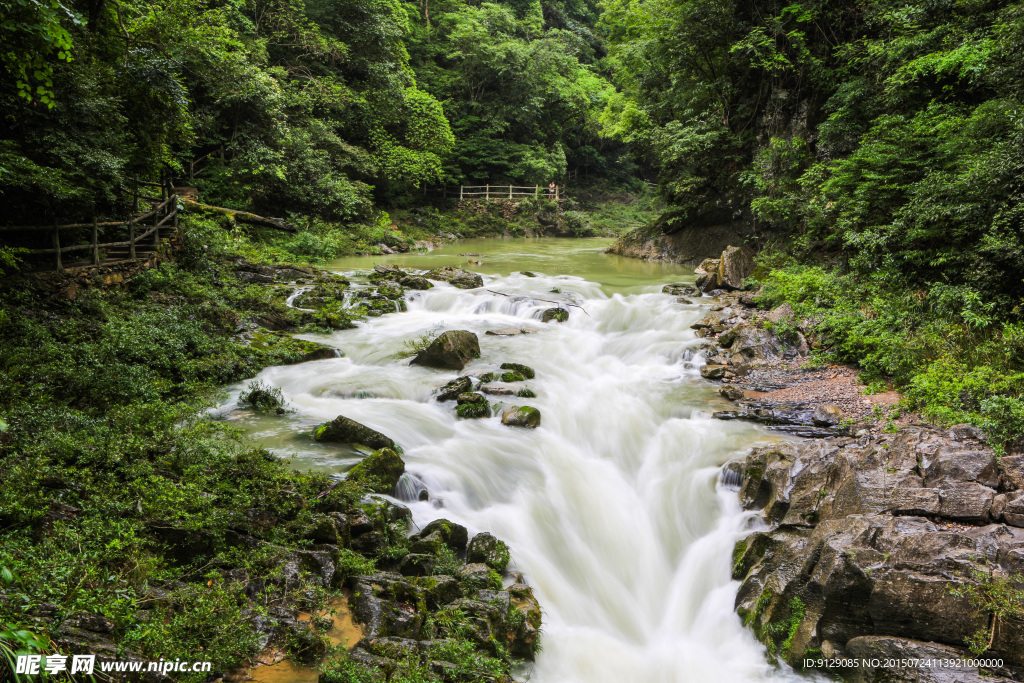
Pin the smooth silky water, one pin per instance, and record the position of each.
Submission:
(612, 507)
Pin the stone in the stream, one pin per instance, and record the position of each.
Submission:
(527, 273)
(470, 397)
(521, 416)
(415, 282)
(451, 391)
(559, 315)
(732, 393)
(712, 371)
(526, 392)
(827, 415)
(452, 349)
(472, 411)
(489, 550)
(379, 471)
(346, 430)
(524, 370)
(680, 289)
(457, 277)
(386, 272)
(735, 264)
(497, 390)
(511, 377)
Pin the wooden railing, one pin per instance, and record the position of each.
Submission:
(496, 192)
(164, 213)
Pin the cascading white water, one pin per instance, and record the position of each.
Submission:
(610, 507)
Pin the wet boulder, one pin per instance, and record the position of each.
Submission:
(451, 390)
(477, 576)
(526, 639)
(559, 315)
(346, 430)
(415, 282)
(487, 549)
(521, 416)
(379, 471)
(524, 370)
(511, 376)
(680, 289)
(437, 533)
(456, 277)
(472, 406)
(451, 350)
(382, 273)
(731, 392)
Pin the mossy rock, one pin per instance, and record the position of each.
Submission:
(379, 471)
(415, 282)
(452, 390)
(487, 377)
(524, 370)
(278, 348)
(472, 411)
(511, 377)
(451, 350)
(489, 550)
(470, 397)
(521, 416)
(346, 430)
(443, 531)
(526, 392)
(390, 290)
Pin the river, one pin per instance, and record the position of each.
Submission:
(611, 508)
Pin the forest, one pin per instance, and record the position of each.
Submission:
(871, 154)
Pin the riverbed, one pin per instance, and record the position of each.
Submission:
(612, 507)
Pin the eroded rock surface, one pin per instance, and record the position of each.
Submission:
(868, 541)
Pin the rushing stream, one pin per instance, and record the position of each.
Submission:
(611, 508)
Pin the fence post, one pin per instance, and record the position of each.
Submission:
(56, 246)
(135, 196)
(95, 243)
(131, 238)
(460, 192)
(510, 192)
(536, 191)
(487, 192)
(156, 226)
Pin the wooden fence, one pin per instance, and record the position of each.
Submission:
(143, 229)
(498, 192)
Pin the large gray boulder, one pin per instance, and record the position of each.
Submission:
(451, 350)
(735, 264)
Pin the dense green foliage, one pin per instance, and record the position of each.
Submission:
(312, 108)
(884, 139)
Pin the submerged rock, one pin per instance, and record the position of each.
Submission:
(521, 416)
(452, 350)
(346, 430)
(379, 471)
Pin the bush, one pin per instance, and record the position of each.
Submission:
(262, 398)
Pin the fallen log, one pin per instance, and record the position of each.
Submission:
(243, 216)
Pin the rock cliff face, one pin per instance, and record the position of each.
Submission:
(688, 246)
(889, 546)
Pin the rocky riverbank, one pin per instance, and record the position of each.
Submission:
(879, 539)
